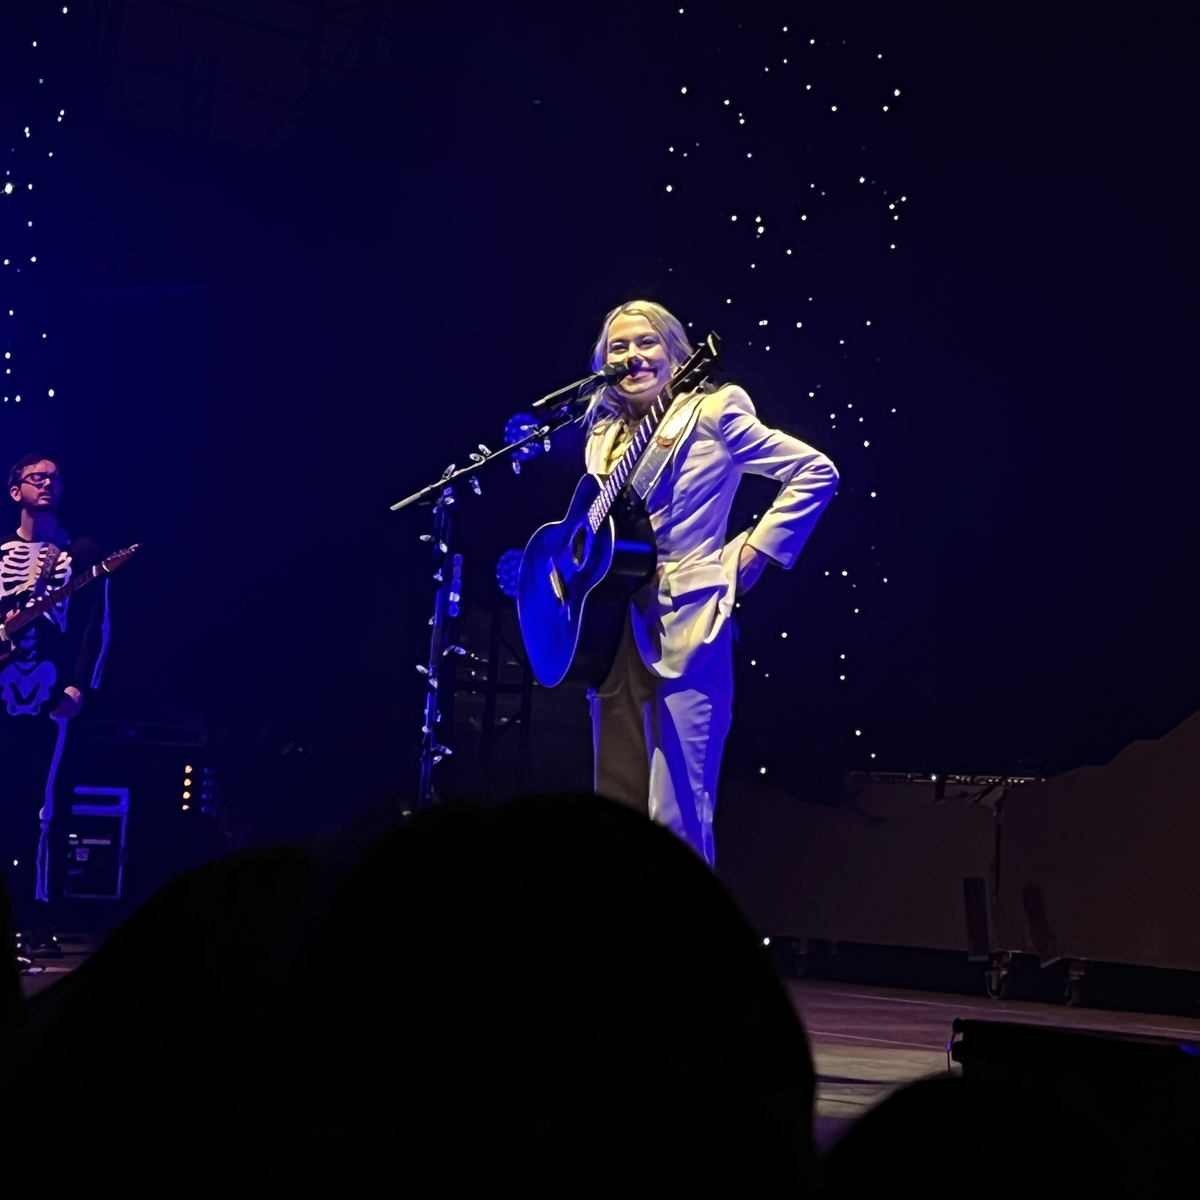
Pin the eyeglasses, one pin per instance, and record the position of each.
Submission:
(37, 478)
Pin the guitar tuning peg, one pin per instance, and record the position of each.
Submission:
(440, 750)
(476, 458)
(437, 575)
(546, 444)
(516, 466)
(443, 548)
(475, 486)
(423, 669)
(437, 758)
(483, 449)
(427, 537)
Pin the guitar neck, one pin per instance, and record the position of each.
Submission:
(31, 613)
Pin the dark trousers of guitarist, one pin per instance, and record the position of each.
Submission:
(660, 718)
(49, 667)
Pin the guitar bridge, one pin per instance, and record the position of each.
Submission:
(556, 582)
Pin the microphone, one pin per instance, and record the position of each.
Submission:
(608, 374)
(614, 372)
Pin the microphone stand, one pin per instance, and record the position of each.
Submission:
(554, 413)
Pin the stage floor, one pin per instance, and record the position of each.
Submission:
(866, 1041)
(869, 1041)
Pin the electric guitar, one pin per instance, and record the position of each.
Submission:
(16, 621)
(577, 574)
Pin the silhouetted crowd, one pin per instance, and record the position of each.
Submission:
(554, 997)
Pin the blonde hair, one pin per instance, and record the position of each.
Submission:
(606, 405)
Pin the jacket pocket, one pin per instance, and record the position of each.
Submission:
(685, 582)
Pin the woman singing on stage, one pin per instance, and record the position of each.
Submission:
(660, 718)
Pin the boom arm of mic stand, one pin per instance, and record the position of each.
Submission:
(559, 416)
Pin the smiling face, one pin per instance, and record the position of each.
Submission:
(631, 335)
(40, 488)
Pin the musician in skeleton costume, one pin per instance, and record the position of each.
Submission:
(660, 718)
(49, 667)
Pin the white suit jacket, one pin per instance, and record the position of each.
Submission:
(680, 613)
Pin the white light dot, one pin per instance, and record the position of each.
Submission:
(893, 246)
(862, 179)
(726, 101)
(885, 108)
(896, 92)
(833, 108)
(865, 444)
(51, 392)
(670, 188)
(872, 495)
(858, 733)
(683, 91)
(784, 634)
(761, 771)
(754, 662)
(803, 217)
(789, 252)
(845, 572)
(734, 217)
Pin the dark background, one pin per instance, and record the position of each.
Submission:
(287, 273)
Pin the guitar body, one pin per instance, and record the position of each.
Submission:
(574, 587)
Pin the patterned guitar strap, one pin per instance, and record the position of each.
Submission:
(49, 562)
(40, 585)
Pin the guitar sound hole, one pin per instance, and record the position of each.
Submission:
(579, 547)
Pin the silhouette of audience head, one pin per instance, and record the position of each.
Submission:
(554, 994)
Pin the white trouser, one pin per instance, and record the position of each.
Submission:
(658, 742)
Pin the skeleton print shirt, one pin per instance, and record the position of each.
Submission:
(65, 646)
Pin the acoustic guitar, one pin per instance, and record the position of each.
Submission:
(577, 574)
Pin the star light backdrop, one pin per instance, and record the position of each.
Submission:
(32, 118)
(779, 164)
(256, 346)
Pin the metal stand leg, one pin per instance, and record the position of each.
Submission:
(448, 575)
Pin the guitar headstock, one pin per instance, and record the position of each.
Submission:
(119, 558)
(702, 362)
